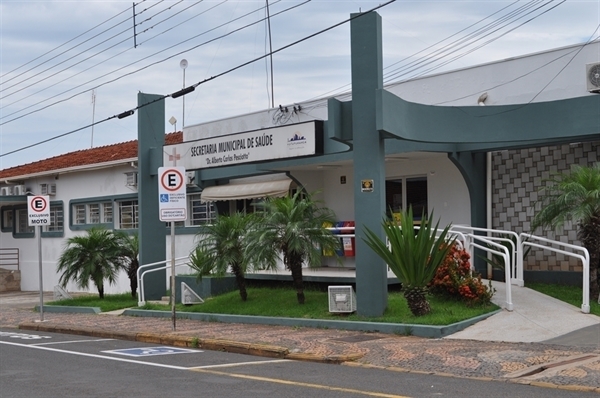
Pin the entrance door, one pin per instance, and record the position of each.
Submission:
(400, 193)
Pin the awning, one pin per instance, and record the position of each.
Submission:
(276, 188)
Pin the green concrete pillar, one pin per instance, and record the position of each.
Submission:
(369, 161)
(152, 231)
(472, 166)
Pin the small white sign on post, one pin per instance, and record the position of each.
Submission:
(172, 193)
(38, 214)
(38, 210)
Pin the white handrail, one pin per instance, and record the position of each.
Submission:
(141, 295)
(504, 253)
(585, 259)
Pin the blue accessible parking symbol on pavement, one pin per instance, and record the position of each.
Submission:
(150, 351)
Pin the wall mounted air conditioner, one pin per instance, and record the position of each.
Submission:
(131, 179)
(48, 189)
(5, 191)
(341, 299)
(19, 190)
(592, 77)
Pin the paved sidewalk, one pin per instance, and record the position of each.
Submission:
(452, 357)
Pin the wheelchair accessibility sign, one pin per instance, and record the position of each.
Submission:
(151, 351)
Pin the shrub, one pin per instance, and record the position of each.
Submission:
(454, 278)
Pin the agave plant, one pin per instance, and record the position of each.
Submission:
(413, 254)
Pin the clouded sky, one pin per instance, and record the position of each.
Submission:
(54, 53)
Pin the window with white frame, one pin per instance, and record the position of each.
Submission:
(22, 226)
(200, 212)
(128, 214)
(56, 219)
(92, 213)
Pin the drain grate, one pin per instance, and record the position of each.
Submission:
(535, 370)
(359, 338)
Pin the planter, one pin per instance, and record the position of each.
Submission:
(207, 287)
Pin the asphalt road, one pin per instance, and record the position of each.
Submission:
(35, 364)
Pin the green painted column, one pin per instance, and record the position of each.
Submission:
(369, 161)
(472, 166)
(152, 231)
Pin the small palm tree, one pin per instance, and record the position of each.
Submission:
(575, 197)
(221, 245)
(293, 227)
(93, 257)
(414, 257)
(129, 246)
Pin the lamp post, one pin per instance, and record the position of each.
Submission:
(183, 64)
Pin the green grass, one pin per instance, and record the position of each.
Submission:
(569, 294)
(282, 303)
(110, 302)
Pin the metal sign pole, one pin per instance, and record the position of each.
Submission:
(39, 239)
(173, 311)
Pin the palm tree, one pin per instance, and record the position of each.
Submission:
(92, 257)
(414, 257)
(129, 246)
(221, 245)
(575, 197)
(292, 226)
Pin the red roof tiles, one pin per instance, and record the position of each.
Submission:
(103, 154)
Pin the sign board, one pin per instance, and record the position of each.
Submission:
(302, 139)
(38, 210)
(172, 201)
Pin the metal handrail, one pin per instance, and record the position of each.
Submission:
(585, 259)
(9, 256)
(141, 294)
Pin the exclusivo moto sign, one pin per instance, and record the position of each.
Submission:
(302, 139)
(38, 210)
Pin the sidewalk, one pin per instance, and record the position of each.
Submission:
(487, 360)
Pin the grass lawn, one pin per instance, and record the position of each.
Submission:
(281, 302)
(110, 302)
(569, 294)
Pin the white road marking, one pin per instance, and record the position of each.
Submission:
(72, 341)
(227, 365)
(94, 356)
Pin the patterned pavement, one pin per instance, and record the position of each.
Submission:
(450, 357)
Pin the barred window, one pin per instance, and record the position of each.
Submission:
(200, 213)
(56, 219)
(128, 214)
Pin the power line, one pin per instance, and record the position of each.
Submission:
(192, 88)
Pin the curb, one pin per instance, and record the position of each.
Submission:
(68, 309)
(261, 350)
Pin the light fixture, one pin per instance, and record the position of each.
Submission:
(173, 122)
(481, 99)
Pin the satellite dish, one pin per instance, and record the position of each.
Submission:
(183, 64)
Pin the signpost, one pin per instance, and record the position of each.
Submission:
(172, 205)
(38, 214)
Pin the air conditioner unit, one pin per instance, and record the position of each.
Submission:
(19, 190)
(592, 77)
(131, 179)
(48, 189)
(6, 191)
(341, 299)
(190, 178)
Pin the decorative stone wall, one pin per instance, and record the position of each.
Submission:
(517, 176)
(10, 281)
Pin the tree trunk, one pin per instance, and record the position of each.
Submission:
(240, 281)
(100, 291)
(589, 234)
(132, 274)
(295, 266)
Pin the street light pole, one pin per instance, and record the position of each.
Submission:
(183, 64)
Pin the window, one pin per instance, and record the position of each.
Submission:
(405, 192)
(200, 213)
(56, 219)
(92, 213)
(7, 219)
(22, 226)
(128, 214)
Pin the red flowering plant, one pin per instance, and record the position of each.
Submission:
(455, 278)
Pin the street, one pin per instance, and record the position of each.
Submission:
(40, 364)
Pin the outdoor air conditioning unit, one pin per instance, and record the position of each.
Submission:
(341, 299)
(6, 191)
(48, 189)
(592, 77)
(131, 179)
(19, 190)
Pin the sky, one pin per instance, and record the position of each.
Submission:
(65, 65)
